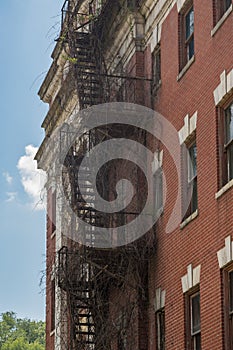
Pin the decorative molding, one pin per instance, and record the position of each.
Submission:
(159, 301)
(190, 125)
(191, 279)
(225, 255)
(224, 88)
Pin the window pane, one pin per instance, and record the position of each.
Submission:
(160, 330)
(193, 160)
(189, 23)
(195, 313)
(229, 123)
(228, 3)
(194, 196)
(230, 162)
(197, 342)
(157, 67)
(231, 290)
(190, 49)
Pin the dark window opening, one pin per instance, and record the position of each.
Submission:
(160, 329)
(156, 68)
(225, 144)
(191, 185)
(220, 7)
(52, 291)
(228, 306)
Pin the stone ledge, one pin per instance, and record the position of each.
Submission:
(221, 21)
(189, 219)
(186, 67)
(224, 189)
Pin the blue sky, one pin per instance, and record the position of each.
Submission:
(28, 29)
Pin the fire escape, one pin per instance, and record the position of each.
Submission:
(84, 272)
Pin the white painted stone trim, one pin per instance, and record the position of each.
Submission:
(224, 88)
(180, 4)
(190, 125)
(191, 279)
(225, 255)
(159, 301)
(224, 189)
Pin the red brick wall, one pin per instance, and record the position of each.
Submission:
(200, 240)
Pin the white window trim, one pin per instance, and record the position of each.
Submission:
(191, 279)
(224, 189)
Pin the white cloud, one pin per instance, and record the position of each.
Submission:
(8, 178)
(11, 196)
(32, 179)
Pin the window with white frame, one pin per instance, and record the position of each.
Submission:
(186, 33)
(228, 144)
(193, 321)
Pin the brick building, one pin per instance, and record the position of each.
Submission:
(175, 57)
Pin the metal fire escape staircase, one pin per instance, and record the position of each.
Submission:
(77, 275)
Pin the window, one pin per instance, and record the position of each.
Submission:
(158, 183)
(229, 141)
(52, 301)
(186, 31)
(228, 306)
(53, 211)
(226, 144)
(191, 189)
(156, 68)
(220, 7)
(160, 329)
(193, 321)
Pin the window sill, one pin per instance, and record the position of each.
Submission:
(221, 21)
(224, 189)
(189, 219)
(52, 333)
(186, 67)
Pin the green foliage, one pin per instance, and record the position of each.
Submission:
(21, 334)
